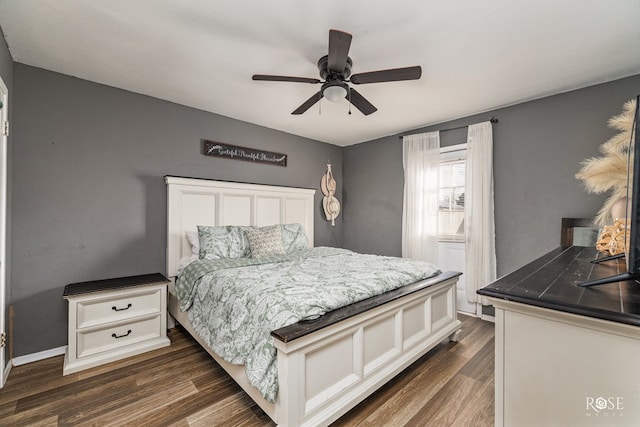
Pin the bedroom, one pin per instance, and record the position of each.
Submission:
(73, 141)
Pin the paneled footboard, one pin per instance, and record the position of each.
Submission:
(325, 373)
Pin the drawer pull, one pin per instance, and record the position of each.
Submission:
(121, 309)
(121, 336)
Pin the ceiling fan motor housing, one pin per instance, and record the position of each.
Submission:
(333, 75)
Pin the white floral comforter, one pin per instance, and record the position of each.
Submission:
(234, 304)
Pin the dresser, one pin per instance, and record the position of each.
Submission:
(115, 318)
(566, 355)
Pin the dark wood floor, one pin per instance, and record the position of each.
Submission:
(181, 385)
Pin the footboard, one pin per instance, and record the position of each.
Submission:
(328, 371)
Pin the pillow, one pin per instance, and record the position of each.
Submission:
(265, 241)
(194, 241)
(217, 242)
(294, 238)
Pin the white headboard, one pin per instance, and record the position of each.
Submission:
(192, 202)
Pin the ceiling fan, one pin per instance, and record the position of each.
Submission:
(335, 69)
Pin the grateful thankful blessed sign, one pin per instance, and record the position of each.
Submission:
(218, 149)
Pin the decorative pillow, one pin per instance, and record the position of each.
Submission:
(265, 241)
(218, 242)
(194, 241)
(294, 238)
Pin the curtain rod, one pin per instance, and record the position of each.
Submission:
(492, 120)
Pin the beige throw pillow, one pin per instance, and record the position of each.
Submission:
(265, 241)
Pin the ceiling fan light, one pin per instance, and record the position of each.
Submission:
(334, 93)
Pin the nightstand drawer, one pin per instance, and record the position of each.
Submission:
(115, 308)
(113, 337)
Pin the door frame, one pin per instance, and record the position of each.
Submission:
(5, 365)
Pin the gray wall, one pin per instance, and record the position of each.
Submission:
(538, 147)
(88, 192)
(6, 73)
(88, 198)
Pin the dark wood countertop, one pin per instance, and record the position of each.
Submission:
(551, 282)
(74, 289)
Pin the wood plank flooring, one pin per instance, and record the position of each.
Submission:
(181, 385)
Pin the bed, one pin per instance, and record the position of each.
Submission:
(328, 365)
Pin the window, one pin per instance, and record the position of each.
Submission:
(451, 193)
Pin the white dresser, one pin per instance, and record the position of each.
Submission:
(566, 356)
(115, 318)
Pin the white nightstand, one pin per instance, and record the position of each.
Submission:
(115, 318)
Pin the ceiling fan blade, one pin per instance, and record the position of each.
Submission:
(308, 103)
(391, 75)
(360, 102)
(284, 79)
(339, 43)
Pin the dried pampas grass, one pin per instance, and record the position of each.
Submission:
(623, 122)
(609, 172)
(601, 174)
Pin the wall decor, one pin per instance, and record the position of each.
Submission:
(218, 149)
(330, 204)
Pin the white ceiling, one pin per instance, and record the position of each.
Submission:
(475, 55)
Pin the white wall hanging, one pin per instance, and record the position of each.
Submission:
(330, 204)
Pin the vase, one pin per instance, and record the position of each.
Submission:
(619, 209)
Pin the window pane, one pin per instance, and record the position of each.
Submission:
(451, 199)
(459, 198)
(445, 198)
(451, 224)
(457, 174)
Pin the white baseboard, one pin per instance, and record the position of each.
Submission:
(41, 355)
(7, 369)
(467, 313)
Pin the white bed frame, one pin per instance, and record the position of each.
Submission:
(324, 374)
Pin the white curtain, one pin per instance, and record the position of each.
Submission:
(421, 162)
(480, 251)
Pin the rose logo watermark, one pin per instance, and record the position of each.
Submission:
(611, 406)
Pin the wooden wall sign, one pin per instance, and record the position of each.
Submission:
(218, 149)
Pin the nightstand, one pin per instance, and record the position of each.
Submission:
(115, 318)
